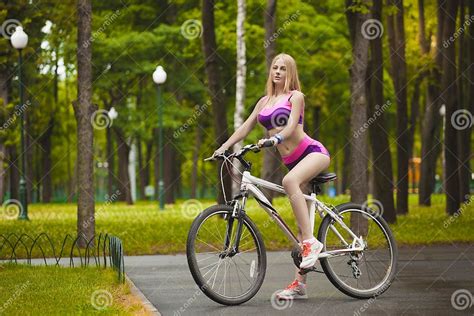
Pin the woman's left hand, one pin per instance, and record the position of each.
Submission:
(263, 140)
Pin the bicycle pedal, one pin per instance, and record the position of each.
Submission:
(306, 270)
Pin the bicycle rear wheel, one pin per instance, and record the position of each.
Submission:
(226, 275)
(363, 274)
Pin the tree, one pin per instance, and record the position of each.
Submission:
(464, 134)
(271, 157)
(448, 97)
(431, 124)
(209, 46)
(396, 36)
(83, 110)
(381, 157)
(240, 83)
(357, 14)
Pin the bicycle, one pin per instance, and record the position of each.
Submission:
(223, 235)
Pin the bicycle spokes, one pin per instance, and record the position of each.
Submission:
(367, 267)
(226, 255)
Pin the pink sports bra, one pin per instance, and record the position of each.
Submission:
(278, 114)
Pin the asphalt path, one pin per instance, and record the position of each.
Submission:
(435, 280)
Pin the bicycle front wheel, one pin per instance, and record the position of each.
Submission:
(227, 275)
(360, 274)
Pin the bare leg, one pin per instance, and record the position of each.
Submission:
(298, 177)
(308, 168)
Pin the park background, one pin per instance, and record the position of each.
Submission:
(91, 112)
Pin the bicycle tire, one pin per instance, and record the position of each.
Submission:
(194, 267)
(328, 268)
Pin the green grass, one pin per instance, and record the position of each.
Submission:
(146, 230)
(52, 290)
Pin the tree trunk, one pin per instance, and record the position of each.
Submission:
(414, 113)
(470, 95)
(240, 87)
(169, 160)
(3, 149)
(217, 96)
(149, 152)
(271, 168)
(123, 151)
(381, 156)
(346, 164)
(141, 172)
(83, 110)
(14, 163)
(194, 171)
(464, 133)
(110, 162)
(448, 98)
(316, 119)
(431, 127)
(396, 35)
(45, 141)
(359, 149)
(29, 165)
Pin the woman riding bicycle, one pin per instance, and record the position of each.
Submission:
(281, 112)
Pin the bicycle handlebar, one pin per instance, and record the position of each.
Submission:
(250, 147)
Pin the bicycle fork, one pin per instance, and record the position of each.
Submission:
(238, 214)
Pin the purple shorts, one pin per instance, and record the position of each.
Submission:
(306, 146)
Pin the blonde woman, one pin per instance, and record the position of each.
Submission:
(281, 112)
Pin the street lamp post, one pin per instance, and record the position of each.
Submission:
(159, 77)
(19, 40)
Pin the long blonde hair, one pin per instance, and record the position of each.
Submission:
(291, 81)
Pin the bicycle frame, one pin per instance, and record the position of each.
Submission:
(251, 183)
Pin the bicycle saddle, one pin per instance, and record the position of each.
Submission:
(323, 177)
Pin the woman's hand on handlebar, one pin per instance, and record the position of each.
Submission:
(267, 142)
(219, 151)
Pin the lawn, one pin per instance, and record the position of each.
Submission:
(146, 230)
(53, 290)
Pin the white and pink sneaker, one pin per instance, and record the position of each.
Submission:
(296, 290)
(311, 250)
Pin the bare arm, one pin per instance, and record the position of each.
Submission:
(244, 129)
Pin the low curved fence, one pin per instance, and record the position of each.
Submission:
(103, 250)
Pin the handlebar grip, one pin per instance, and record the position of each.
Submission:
(267, 143)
